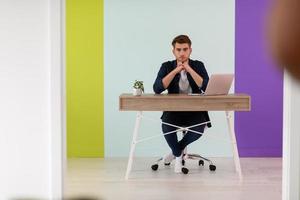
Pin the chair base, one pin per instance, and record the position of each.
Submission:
(201, 159)
(185, 157)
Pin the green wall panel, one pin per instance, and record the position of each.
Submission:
(84, 61)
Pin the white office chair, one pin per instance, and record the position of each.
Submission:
(186, 156)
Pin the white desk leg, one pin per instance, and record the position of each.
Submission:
(234, 144)
(133, 143)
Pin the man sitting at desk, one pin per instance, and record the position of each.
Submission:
(182, 75)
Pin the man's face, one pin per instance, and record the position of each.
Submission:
(182, 52)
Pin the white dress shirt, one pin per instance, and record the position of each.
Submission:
(184, 85)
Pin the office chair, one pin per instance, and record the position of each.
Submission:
(186, 156)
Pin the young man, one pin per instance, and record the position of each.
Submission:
(182, 75)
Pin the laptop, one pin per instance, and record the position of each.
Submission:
(218, 84)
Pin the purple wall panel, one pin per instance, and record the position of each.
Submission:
(259, 132)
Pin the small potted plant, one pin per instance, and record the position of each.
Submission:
(138, 88)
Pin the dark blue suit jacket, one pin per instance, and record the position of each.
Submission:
(173, 88)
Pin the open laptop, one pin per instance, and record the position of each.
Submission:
(218, 84)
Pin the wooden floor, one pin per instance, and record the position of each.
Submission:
(103, 179)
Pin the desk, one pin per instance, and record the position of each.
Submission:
(184, 102)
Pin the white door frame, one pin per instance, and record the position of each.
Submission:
(291, 139)
(57, 94)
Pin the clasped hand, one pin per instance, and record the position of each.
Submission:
(182, 66)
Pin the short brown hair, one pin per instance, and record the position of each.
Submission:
(181, 39)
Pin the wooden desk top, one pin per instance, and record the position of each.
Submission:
(184, 102)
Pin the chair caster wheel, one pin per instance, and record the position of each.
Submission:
(154, 167)
(184, 170)
(212, 167)
(167, 164)
(201, 163)
(183, 162)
